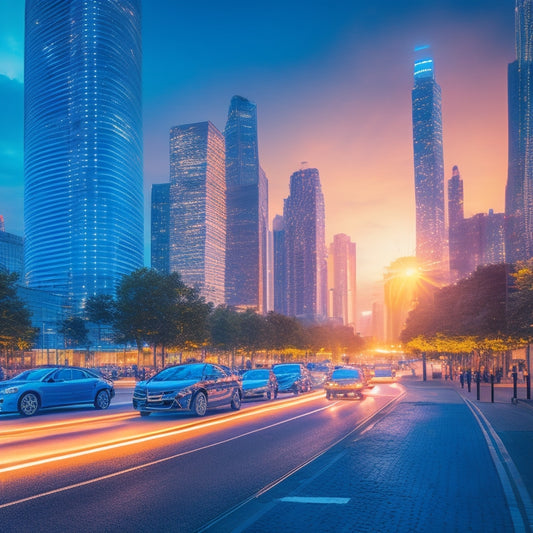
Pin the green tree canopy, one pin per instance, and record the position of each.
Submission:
(16, 331)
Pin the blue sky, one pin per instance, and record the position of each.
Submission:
(332, 82)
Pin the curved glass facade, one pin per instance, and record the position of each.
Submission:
(83, 209)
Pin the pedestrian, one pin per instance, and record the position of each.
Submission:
(468, 378)
(462, 380)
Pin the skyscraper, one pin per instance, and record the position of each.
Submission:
(197, 208)
(83, 162)
(160, 228)
(304, 216)
(455, 219)
(429, 168)
(519, 190)
(342, 280)
(247, 210)
(280, 265)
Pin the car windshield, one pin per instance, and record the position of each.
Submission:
(33, 375)
(286, 369)
(345, 373)
(179, 373)
(256, 374)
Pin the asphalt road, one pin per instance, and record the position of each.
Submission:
(82, 470)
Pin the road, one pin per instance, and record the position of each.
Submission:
(83, 470)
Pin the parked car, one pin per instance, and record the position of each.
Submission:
(292, 377)
(191, 387)
(261, 382)
(45, 387)
(347, 381)
(383, 374)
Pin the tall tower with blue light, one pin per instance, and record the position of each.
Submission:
(429, 167)
(247, 210)
(519, 189)
(83, 162)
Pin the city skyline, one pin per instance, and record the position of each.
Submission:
(332, 88)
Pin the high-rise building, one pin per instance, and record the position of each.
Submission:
(455, 219)
(480, 241)
(247, 210)
(342, 280)
(160, 228)
(519, 190)
(304, 216)
(83, 160)
(429, 168)
(197, 208)
(11, 252)
(280, 265)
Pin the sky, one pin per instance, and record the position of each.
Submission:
(332, 81)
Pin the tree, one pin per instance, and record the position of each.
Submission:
(100, 309)
(75, 332)
(159, 309)
(16, 331)
(520, 301)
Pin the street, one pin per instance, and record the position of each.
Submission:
(411, 456)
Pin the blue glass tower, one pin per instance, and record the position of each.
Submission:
(197, 236)
(429, 168)
(519, 190)
(247, 210)
(83, 195)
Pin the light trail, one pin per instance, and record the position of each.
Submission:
(144, 465)
(165, 433)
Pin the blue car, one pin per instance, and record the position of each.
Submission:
(40, 388)
(261, 382)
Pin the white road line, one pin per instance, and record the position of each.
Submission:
(507, 472)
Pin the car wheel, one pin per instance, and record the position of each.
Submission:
(199, 404)
(269, 395)
(275, 393)
(145, 413)
(328, 395)
(236, 401)
(29, 404)
(102, 400)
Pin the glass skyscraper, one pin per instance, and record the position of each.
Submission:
(279, 265)
(247, 210)
(455, 220)
(83, 162)
(305, 244)
(342, 280)
(197, 208)
(429, 168)
(519, 190)
(160, 227)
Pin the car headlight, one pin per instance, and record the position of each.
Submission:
(9, 390)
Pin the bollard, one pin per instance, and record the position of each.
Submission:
(492, 388)
(515, 380)
(478, 386)
(528, 386)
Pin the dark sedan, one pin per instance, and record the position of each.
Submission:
(261, 383)
(40, 388)
(345, 382)
(292, 377)
(189, 387)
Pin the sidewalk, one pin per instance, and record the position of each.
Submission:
(425, 466)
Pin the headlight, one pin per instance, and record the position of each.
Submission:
(9, 390)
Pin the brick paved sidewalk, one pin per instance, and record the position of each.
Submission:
(423, 467)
